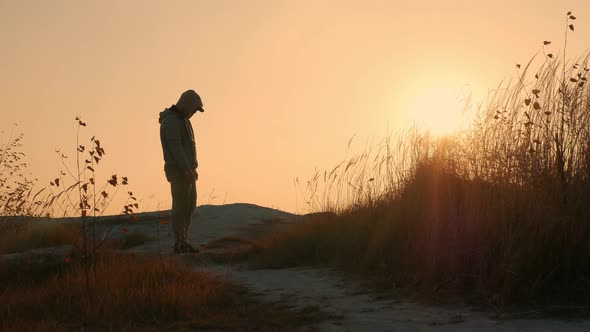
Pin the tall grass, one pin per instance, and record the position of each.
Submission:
(500, 212)
(134, 294)
(15, 184)
(364, 179)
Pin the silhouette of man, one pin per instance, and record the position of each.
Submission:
(180, 164)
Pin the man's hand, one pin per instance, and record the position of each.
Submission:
(191, 174)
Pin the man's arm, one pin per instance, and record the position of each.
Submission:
(174, 144)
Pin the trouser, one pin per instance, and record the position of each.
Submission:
(184, 202)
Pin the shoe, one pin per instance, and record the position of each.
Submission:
(185, 248)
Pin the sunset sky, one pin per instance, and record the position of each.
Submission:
(285, 83)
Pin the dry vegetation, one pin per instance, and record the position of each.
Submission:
(500, 212)
(27, 236)
(15, 186)
(132, 294)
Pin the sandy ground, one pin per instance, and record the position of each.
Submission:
(210, 222)
(349, 308)
(354, 310)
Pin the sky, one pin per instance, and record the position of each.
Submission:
(285, 83)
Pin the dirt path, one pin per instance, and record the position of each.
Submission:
(352, 310)
(349, 308)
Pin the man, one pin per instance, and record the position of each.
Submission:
(180, 164)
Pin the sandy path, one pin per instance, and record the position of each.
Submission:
(358, 311)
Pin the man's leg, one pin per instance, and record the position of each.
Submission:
(192, 204)
(180, 203)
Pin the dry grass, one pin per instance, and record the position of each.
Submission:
(133, 294)
(126, 292)
(447, 235)
(29, 235)
(499, 213)
(34, 235)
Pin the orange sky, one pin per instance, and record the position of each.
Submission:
(285, 83)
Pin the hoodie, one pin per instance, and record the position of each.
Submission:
(178, 145)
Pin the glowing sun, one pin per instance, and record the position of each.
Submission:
(441, 109)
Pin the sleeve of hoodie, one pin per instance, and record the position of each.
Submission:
(174, 143)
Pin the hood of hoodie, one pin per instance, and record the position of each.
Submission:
(172, 110)
(164, 114)
(167, 112)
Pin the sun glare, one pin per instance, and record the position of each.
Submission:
(438, 109)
